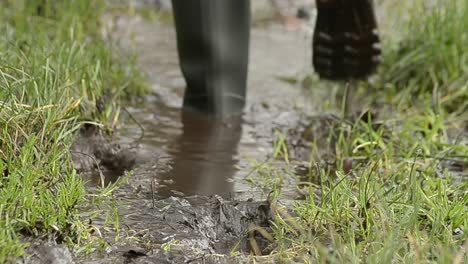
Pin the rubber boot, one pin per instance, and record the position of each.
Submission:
(213, 44)
(346, 42)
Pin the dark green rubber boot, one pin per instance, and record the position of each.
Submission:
(213, 45)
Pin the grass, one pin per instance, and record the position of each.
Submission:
(56, 74)
(398, 189)
(431, 61)
(396, 203)
(393, 195)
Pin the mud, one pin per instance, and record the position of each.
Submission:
(187, 198)
(196, 228)
(41, 251)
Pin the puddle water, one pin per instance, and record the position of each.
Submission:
(188, 171)
(190, 154)
(204, 157)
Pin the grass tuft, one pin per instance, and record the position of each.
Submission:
(430, 62)
(397, 190)
(56, 74)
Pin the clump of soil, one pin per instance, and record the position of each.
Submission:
(181, 230)
(93, 154)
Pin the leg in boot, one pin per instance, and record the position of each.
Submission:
(213, 45)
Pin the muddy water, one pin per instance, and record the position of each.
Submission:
(189, 154)
(188, 182)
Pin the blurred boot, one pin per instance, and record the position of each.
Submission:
(213, 45)
(346, 41)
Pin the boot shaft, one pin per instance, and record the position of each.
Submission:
(213, 44)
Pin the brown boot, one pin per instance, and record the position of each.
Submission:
(346, 41)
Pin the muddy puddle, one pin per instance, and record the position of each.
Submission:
(189, 177)
(194, 154)
(189, 194)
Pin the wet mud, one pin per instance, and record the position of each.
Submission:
(42, 251)
(186, 197)
(182, 230)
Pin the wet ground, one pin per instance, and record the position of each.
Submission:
(190, 194)
(189, 183)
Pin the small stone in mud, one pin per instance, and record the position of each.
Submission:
(42, 252)
(134, 254)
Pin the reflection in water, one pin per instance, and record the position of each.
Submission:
(204, 156)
